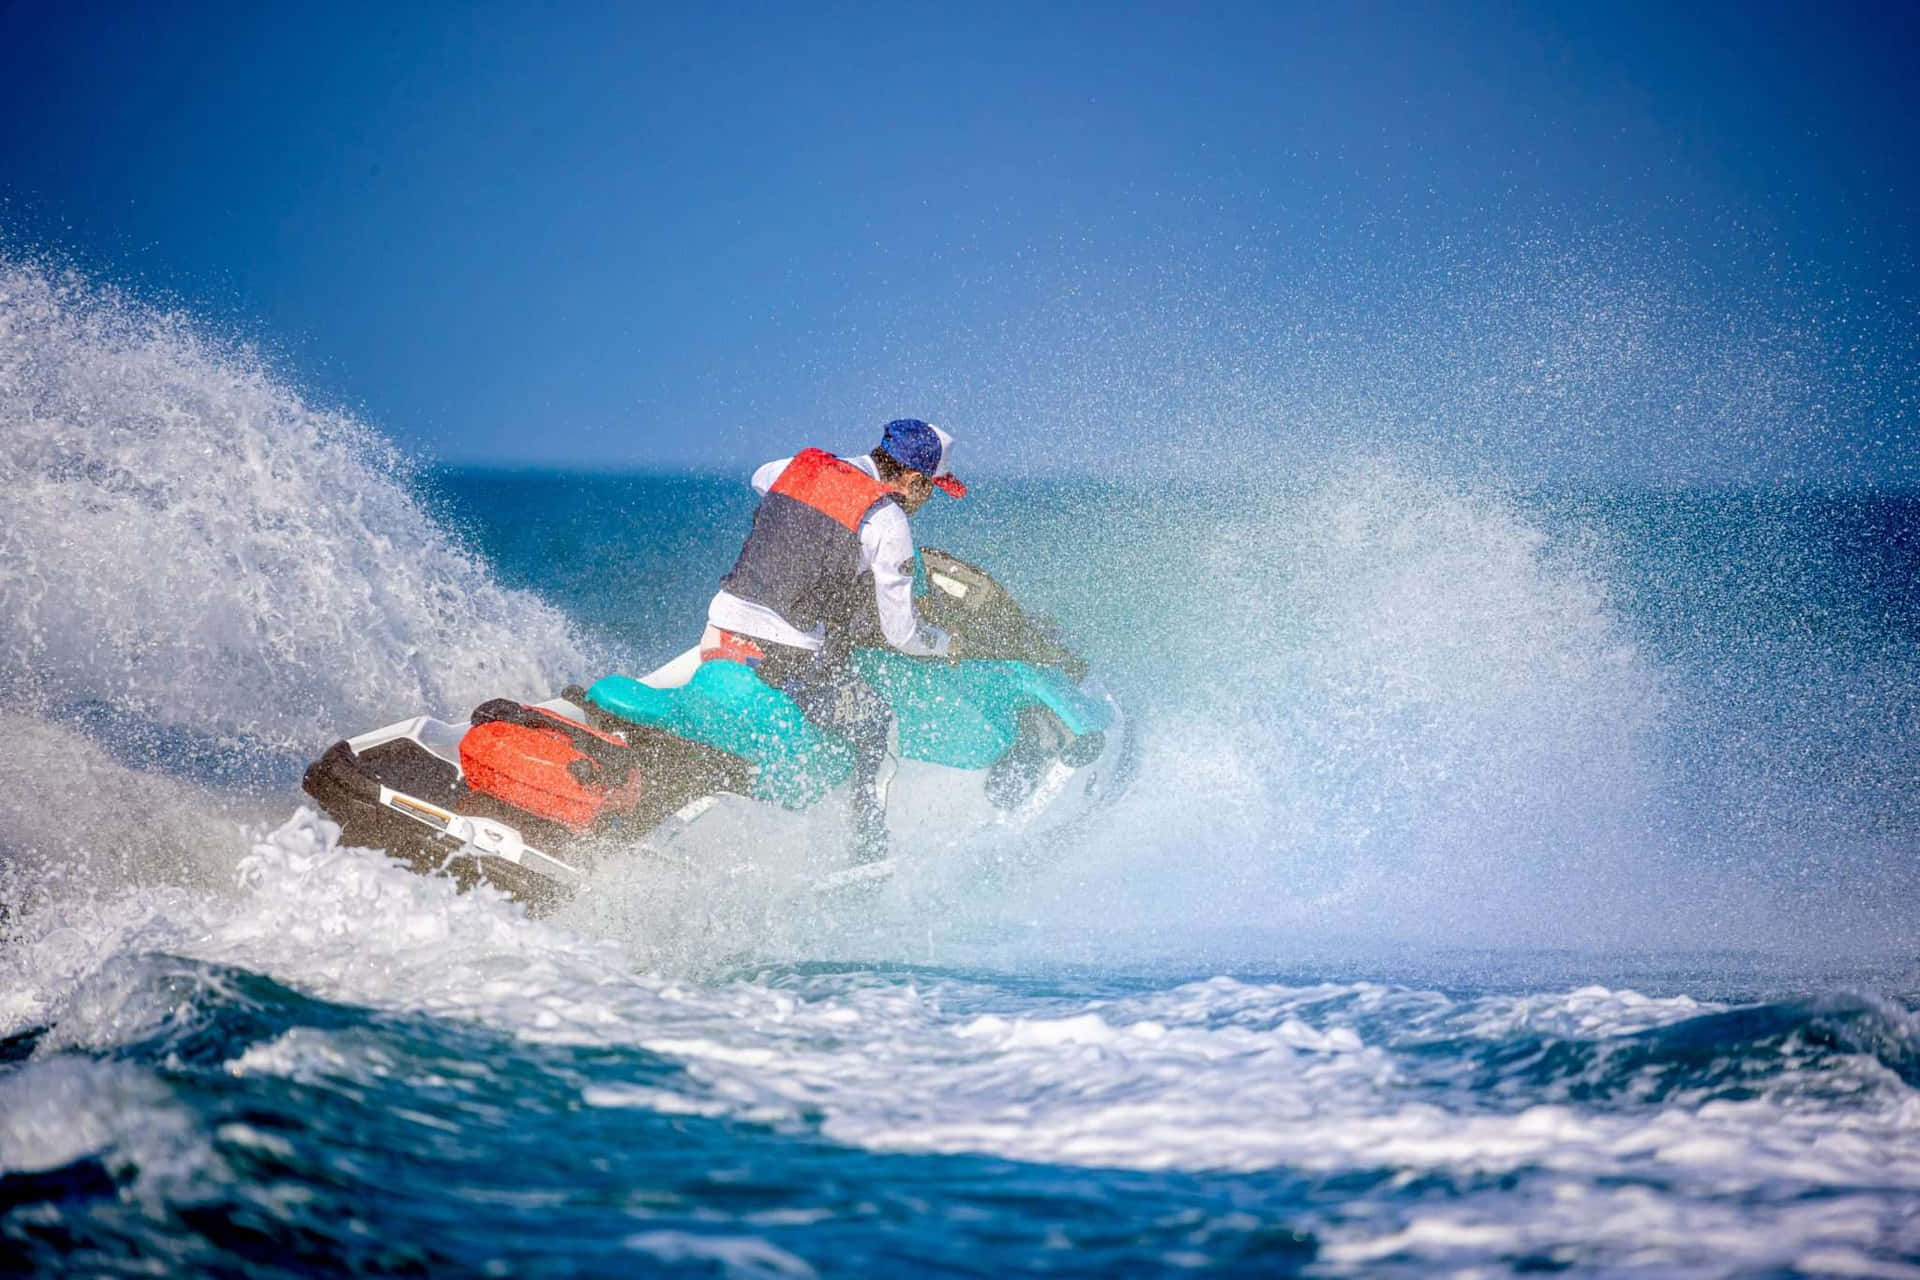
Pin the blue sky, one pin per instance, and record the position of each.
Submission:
(1595, 240)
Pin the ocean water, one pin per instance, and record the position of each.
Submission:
(1515, 878)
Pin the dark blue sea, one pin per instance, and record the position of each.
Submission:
(1514, 878)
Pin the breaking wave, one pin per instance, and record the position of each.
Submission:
(186, 541)
(203, 578)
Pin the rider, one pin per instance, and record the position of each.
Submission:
(790, 606)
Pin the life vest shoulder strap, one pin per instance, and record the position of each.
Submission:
(834, 488)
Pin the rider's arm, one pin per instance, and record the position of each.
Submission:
(887, 538)
(768, 473)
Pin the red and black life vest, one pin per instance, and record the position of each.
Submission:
(802, 557)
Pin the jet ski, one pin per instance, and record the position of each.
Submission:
(1015, 738)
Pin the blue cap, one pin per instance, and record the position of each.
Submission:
(922, 447)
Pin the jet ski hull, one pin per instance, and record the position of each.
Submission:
(700, 760)
(392, 789)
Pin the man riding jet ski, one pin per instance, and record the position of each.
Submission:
(830, 540)
(712, 758)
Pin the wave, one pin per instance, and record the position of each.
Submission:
(203, 578)
(184, 539)
(1332, 1080)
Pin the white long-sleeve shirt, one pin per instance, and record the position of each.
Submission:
(886, 548)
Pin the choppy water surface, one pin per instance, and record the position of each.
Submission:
(1514, 880)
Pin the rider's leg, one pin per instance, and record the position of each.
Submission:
(834, 697)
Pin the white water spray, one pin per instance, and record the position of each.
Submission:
(204, 579)
(185, 539)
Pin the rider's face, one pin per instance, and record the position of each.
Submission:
(915, 489)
